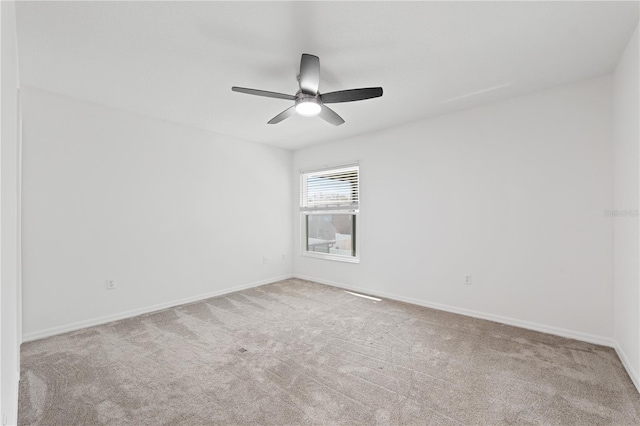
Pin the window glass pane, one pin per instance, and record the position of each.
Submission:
(331, 233)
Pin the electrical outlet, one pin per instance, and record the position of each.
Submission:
(265, 259)
(111, 285)
(284, 257)
(467, 279)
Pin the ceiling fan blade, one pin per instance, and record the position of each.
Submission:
(284, 114)
(329, 115)
(309, 74)
(351, 95)
(263, 93)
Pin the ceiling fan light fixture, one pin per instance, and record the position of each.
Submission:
(308, 107)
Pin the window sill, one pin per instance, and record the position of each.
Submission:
(333, 257)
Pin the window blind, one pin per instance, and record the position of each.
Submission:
(330, 189)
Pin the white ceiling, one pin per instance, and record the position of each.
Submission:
(178, 60)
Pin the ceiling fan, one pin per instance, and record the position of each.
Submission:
(308, 101)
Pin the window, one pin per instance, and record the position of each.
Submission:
(329, 206)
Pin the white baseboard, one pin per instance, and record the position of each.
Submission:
(627, 365)
(563, 332)
(135, 312)
(586, 337)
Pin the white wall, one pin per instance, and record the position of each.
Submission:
(512, 192)
(167, 211)
(9, 218)
(626, 137)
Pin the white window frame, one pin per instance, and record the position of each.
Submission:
(352, 210)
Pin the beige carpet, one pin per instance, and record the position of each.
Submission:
(296, 352)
